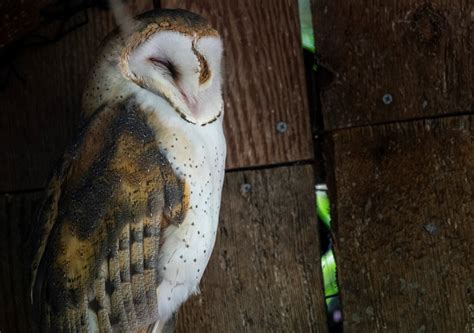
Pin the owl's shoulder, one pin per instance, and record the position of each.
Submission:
(114, 189)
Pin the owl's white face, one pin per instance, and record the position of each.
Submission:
(183, 69)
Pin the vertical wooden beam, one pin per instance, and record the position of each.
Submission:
(266, 263)
(402, 186)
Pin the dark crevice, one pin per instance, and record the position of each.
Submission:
(401, 121)
(271, 166)
(316, 78)
(317, 127)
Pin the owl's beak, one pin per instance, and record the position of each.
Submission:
(194, 109)
(192, 104)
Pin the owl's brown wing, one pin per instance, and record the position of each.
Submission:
(96, 260)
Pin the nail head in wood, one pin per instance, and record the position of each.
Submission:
(245, 188)
(387, 99)
(282, 127)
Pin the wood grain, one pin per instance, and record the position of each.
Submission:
(16, 215)
(419, 52)
(405, 226)
(265, 81)
(39, 117)
(264, 274)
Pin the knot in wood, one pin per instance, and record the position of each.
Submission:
(428, 24)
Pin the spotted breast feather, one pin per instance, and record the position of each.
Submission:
(99, 232)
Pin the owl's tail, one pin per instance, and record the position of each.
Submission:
(123, 17)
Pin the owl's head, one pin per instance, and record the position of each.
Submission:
(176, 55)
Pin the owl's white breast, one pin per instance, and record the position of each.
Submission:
(197, 154)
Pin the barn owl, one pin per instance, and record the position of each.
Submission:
(131, 215)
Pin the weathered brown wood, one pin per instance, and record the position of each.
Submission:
(405, 226)
(39, 117)
(16, 215)
(264, 274)
(265, 81)
(418, 52)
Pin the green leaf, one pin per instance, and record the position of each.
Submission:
(328, 266)
(323, 207)
(306, 24)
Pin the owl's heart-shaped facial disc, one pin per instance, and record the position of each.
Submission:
(183, 68)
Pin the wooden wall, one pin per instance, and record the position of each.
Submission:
(264, 274)
(396, 108)
(398, 115)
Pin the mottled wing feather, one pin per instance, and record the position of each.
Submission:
(97, 256)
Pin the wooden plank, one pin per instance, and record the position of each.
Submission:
(405, 226)
(264, 274)
(39, 116)
(16, 215)
(418, 52)
(265, 82)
